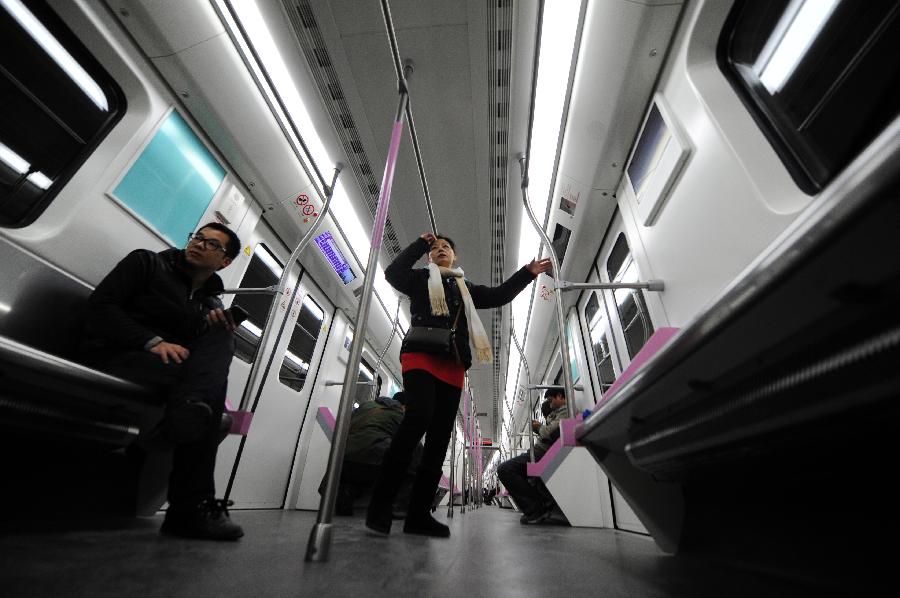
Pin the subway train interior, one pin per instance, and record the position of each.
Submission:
(715, 183)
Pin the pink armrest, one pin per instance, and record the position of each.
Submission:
(566, 439)
(325, 418)
(240, 420)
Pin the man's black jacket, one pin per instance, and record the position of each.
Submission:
(147, 295)
(414, 283)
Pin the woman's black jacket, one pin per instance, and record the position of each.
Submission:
(414, 283)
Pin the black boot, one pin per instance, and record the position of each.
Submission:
(207, 520)
(424, 524)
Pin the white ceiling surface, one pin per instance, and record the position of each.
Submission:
(448, 91)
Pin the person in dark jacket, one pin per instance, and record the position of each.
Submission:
(156, 319)
(439, 297)
(514, 472)
(372, 427)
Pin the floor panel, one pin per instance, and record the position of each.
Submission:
(488, 554)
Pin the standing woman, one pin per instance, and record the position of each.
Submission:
(440, 297)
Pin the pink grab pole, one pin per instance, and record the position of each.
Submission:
(319, 545)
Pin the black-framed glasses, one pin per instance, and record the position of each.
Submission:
(205, 242)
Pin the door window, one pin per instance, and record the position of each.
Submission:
(299, 353)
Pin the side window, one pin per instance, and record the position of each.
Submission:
(632, 309)
(264, 270)
(366, 374)
(818, 76)
(302, 345)
(57, 102)
(598, 327)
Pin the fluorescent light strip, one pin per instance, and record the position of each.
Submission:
(317, 312)
(13, 160)
(792, 47)
(351, 228)
(20, 165)
(559, 29)
(55, 50)
(296, 360)
(266, 258)
(252, 328)
(40, 179)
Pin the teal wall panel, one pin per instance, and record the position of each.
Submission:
(173, 181)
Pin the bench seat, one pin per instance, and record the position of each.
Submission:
(46, 392)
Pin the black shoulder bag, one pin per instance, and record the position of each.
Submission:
(438, 341)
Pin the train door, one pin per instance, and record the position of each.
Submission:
(257, 468)
(620, 323)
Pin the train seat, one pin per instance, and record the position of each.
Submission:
(562, 468)
(45, 392)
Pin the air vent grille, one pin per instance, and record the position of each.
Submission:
(309, 36)
(499, 55)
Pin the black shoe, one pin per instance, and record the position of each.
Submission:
(186, 420)
(535, 516)
(378, 521)
(425, 525)
(208, 521)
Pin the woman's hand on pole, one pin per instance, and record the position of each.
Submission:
(428, 237)
(538, 266)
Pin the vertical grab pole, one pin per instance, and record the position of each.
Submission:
(386, 347)
(512, 329)
(258, 373)
(560, 316)
(452, 471)
(319, 544)
(465, 479)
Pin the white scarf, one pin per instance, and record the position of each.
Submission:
(439, 307)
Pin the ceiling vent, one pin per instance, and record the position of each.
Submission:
(499, 55)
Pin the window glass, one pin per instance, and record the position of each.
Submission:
(302, 345)
(633, 314)
(364, 392)
(173, 181)
(598, 326)
(820, 77)
(561, 237)
(264, 271)
(57, 103)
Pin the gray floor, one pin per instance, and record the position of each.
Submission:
(489, 554)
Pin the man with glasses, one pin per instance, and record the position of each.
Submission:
(157, 319)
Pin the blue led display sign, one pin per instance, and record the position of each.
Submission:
(330, 249)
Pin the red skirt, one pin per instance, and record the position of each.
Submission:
(444, 369)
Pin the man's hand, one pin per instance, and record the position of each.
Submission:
(428, 237)
(167, 351)
(535, 425)
(536, 267)
(221, 318)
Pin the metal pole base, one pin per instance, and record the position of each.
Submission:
(318, 547)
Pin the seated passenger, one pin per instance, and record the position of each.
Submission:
(514, 473)
(156, 319)
(372, 427)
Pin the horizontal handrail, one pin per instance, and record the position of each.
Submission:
(272, 290)
(341, 383)
(549, 386)
(650, 285)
